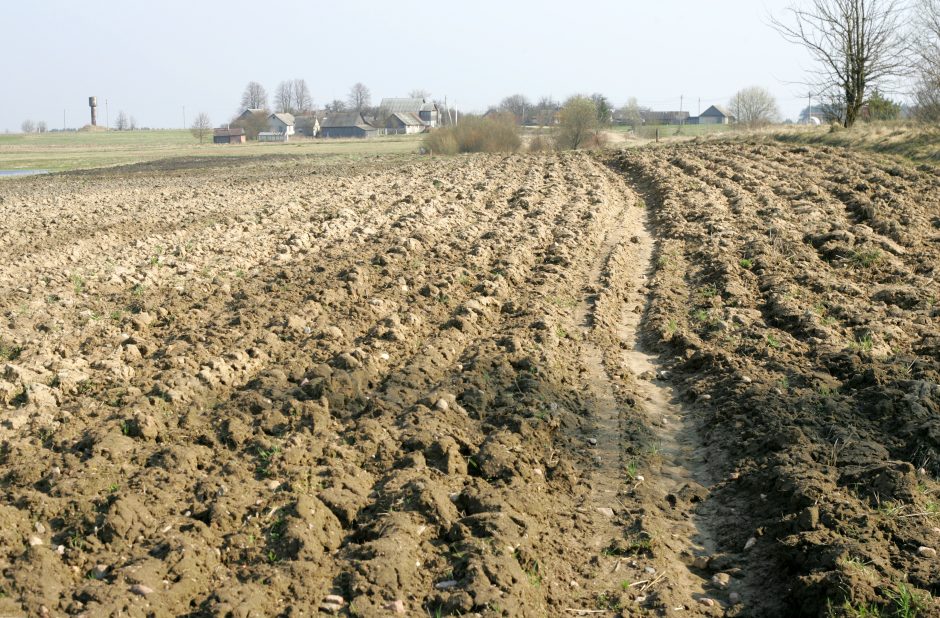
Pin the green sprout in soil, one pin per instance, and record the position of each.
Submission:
(746, 263)
(865, 259)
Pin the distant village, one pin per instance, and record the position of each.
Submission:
(408, 115)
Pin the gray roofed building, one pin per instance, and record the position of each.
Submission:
(281, 122)
(404, 122)
(716, 114)
(426, 110)
(346, 124)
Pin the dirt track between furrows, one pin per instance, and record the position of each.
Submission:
(701, 377)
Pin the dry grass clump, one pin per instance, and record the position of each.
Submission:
(475, 134)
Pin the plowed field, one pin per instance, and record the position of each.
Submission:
(697, 380)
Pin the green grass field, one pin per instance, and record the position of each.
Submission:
(69, 151)
(687, 130)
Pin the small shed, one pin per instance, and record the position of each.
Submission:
(281, 122)
(346, 124)
(229, 136)
(716, 114)
(271, 136)
(404, 123)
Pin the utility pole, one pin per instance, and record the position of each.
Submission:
(700, 106)
(107, 114)
(681, 102)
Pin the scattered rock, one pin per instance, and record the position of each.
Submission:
(35, 541)
(926, 552)
(751, 542)
(141, 590)
(446, 584)
(606, 511)
(735, 598)
(592, 441)
(397, 606)
(706, 602)
(722, 580)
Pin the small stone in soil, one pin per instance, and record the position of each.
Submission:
(141, 590)
(751, 542)
(446, 585)
(333, 598)
(35, 541)
(707, 602)
(722, 580)
(649, 570)
(734, 597)
(606, 511)
(397, 606)
(926, 552)
(592, 441)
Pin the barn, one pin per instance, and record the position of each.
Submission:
(229, 136)
(427, 111)
(281, 123)
(346, 124)
(404, 123)
(716, 115)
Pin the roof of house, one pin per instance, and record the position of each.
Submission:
(722, 111)
(252, 110)
(284, 117)
(345, 119)
(229, 132)
(409, 119)
(395, 105)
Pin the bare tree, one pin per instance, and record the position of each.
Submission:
(41, 126)
(419, 93)
(631, 113)
(201, 126)
(359, 97)
(927, 60)
(122, 123)
(577, 122)
(284, 97)
(517, 105)
(334, 106)
(856, 44)
(303, 100)
(28, 126)
(755, 107)
(254, 97)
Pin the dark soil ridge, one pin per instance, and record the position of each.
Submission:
(796, 287)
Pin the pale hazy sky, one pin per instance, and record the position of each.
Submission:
(151, 59)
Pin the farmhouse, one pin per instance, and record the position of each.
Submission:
(428, 113)
(251, 111)
(281, 122)
(651, 117)
(229, 136)
(716, 114)
(346, 124)
(307, 124)
(404, 123)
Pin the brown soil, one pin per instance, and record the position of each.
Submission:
(520, 386)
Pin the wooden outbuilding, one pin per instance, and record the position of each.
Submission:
(228, 136)
(346, 124)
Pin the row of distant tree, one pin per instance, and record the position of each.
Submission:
(293, 97)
